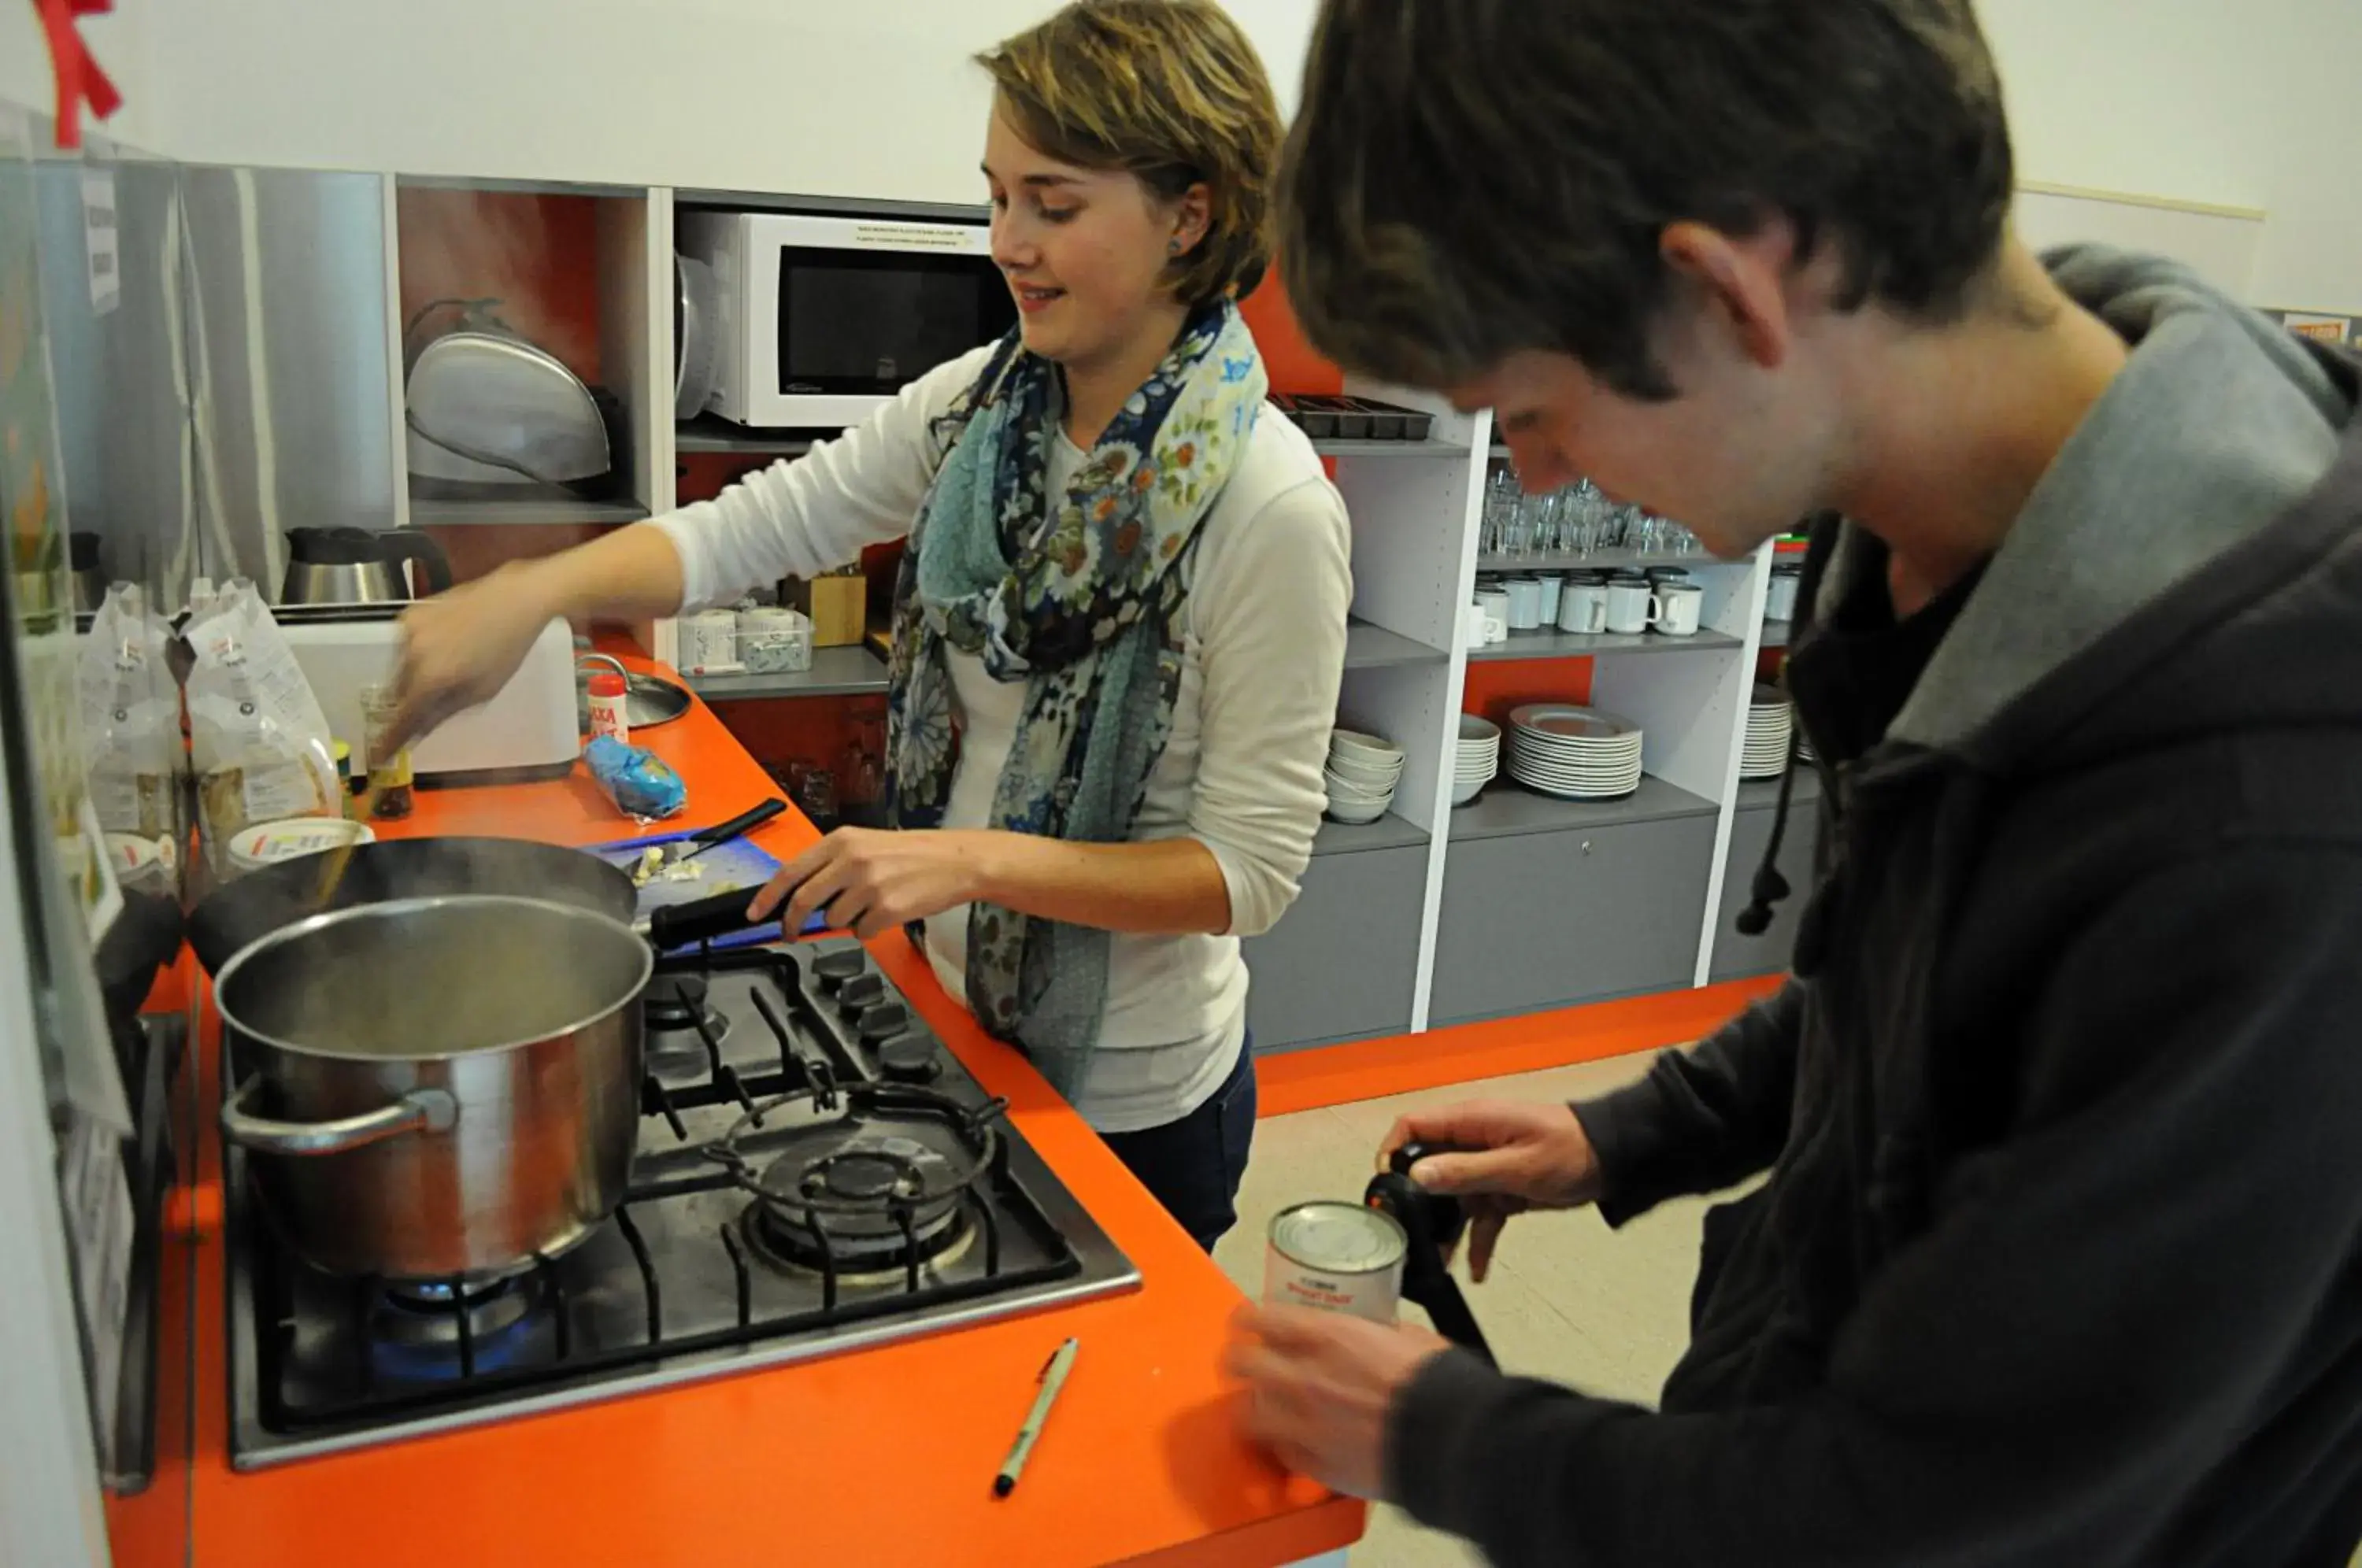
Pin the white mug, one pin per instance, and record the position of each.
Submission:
(1477, 623)
(1674, 612)
(1496, 613)
(1631, 608)
(1553, 589)
(1525, 603)
(1583, 608)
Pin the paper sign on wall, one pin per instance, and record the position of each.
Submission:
(100, 241)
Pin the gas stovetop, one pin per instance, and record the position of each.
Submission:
(815, 1173)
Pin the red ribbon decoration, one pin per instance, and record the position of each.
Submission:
(79, 80)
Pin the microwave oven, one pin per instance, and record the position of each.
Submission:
(821, 319)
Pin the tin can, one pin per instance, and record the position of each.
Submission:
(1335, 1257)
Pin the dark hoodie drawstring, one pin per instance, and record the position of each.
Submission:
(1768, 885)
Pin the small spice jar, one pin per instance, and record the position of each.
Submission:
(611, 706)
(389, 771)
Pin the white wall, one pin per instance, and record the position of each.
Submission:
(2252, 104)
(827, 97)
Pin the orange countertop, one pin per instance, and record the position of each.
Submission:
(877, 1456)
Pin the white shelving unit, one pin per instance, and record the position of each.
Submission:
(1416, 511)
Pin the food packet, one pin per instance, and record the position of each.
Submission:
(130, 716)
(637, 780)
(258, 738)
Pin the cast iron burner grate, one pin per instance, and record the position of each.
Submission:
(680, 1015)
(883, 1186)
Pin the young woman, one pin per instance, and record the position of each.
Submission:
(1119, 627)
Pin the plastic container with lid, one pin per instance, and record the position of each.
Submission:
(772, 641)
(268, 844)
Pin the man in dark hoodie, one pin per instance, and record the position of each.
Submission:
(2056, 1257)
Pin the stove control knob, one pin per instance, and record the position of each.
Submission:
(882, 1023)
(861, 991)
(908, 1059)
(838, 966)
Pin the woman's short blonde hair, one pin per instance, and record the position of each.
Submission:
(1171, 92)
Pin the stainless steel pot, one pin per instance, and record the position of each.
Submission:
(437, 1086)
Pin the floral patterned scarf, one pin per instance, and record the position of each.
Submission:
(1080, 597)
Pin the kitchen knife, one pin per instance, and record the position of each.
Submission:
(738, 826)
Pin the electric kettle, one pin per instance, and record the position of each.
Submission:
(354, 565)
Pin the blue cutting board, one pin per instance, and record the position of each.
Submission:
(738, 864)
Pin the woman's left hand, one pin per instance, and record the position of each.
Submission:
(869, 882)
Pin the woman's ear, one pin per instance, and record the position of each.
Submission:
(1192, 217)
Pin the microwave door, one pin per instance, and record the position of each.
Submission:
(867, 324)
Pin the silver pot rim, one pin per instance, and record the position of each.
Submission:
(548, 908)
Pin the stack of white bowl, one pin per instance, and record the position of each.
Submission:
(1361, 774)
(1477, 760)
(1576, 754)
(1770, 725)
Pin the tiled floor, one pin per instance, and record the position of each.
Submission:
(1567, 1298)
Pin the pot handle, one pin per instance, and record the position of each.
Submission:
(426, 1110)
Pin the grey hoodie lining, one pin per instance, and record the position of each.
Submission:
(2220, 422)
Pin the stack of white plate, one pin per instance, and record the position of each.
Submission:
(1770, 725)
(1576, 754)
(1477, 760)
(1361, 774)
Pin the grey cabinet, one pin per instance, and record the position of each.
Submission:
(1736, 955)
(1338, 966)
(1547, 919)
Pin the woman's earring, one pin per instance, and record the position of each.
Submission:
(1173, 247)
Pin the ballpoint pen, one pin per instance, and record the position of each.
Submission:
(1053, 1377)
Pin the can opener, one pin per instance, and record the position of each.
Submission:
(1432, 1223)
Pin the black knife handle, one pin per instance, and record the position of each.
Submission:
(703, 920)
(743, 823)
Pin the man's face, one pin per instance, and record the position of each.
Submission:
(1741, 453)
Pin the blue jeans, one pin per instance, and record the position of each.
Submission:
(1194, 1166)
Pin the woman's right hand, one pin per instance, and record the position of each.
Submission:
(1509, 1156)
(459, 647)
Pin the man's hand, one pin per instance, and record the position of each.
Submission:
(870, 882)
(1320, 1386)
(1520, 1156)
(459, 647)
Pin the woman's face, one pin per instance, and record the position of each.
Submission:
(1084, 250)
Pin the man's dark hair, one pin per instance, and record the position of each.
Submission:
(1469, 178)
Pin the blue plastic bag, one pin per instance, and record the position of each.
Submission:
(637, 780)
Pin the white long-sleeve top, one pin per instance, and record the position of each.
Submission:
(1240, 772)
